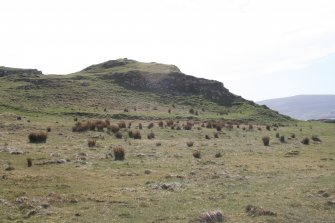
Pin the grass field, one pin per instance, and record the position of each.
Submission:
(160, 180)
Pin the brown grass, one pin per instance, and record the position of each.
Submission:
(151, 135)
(282, 139)
(305, 141)
(151, 125)
(118, 135)
(29, 162)
(190, 143)
(119, 153)
(136, 134)
(197, 154)
(122, 125)
(38, 137)
(114, 128)
(266, 140)
(91, 142)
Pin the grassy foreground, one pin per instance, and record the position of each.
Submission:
(160, 180)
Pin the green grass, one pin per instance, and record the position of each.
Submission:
(103, 190)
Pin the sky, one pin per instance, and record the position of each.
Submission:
(259, 49)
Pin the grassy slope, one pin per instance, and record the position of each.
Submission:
(86, 93)
(103, 190)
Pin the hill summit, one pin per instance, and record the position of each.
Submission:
(127, 89)
(162, 79)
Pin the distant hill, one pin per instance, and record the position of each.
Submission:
(304, 107)
(126, 89)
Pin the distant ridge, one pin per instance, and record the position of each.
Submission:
(304, 107)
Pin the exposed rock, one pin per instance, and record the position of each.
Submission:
(4, 202)
(258, 211)
(292, 153)
(331, 201)
(174, 83)
(21, 199)
(171, 186)
(211, 217)
(6, 71)
(13, 151)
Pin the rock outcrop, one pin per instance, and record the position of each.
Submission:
(7, 71)
(161, 79)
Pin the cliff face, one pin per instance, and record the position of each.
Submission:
(174, 83)
(161, 79)
(7, 71)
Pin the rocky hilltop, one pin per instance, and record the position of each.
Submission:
(127, 89)
(7, 71)
(162, 79)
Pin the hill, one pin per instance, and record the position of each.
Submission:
(304, 107)
(127, 89)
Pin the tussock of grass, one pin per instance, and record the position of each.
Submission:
(38, 137)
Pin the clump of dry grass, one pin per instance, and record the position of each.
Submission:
(187, 127)
(91, 142)
(136, 134)
(118, 135)
(230, 127)
(114, 128)
(190, 143)
(151, 135)
(90, 125)
(122, 125)
(38, 137)
(119, 153)
(29, 162)
(218, 155)
(151, 125)
(266, 140)
(197, 154)
(282, 139)
(211, 217)
(305, 141)
(209, 125)
(169, 123)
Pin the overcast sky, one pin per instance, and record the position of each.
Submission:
(259, 49)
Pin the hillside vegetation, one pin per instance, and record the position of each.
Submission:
(128, 89)
(124, 141)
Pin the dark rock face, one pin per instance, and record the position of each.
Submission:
(175, 83)
(5, 71)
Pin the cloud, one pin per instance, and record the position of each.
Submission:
(233, 38)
